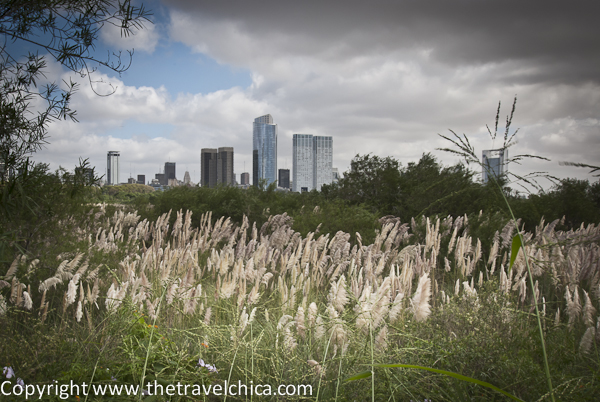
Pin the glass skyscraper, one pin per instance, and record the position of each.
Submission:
(264, 150)
(494, 163)
(312, 162)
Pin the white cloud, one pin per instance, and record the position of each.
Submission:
(145, 39)
(371, 92)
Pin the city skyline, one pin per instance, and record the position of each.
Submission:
(377, 77)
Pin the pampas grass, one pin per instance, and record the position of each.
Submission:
(27, 302)
(589, 311)
(211, 277)
(585, 346)
(420, 300)
(12, 270)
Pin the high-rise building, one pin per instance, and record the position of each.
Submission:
(302, 163)
(187, 179)
(208, 167)
(323, 161)
(141, 179)
(335, 175)
(494, 163)
(112, 167)
(216, 167)
(170, 171)
(245, 179)
(284, 178)
(264, 150)
(225, 173)
(312, 162)
(162, 178)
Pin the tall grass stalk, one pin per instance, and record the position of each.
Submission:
(337, 387)
(231, 367)
(372, 364)
(466, 150)
(535, 301)
(251, 357)
(323, 365)
(162, 296)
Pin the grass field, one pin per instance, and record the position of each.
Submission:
(208, 303)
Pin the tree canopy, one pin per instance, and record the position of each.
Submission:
(67, 30)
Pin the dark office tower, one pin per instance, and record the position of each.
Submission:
(208, 167)
(245, 179)
(264, 150)
(284, 178)
(255, 168)
(170, 171)
(225, 174)
(162, 178)
(141, 179)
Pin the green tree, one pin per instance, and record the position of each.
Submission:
(66, 30)
(575, 200)
(428, 188)
(371, 180)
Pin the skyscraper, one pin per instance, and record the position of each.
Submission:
(112, 167)
(216, 167)
(208, 167)
(170, 171)
(494, 163)
(323, 161)
(312, 162)
(284, 178)
(335, 175)
(225, 173)
(302, 163)
(245, 179)
(264, 150)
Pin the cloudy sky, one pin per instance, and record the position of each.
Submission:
(381, 77)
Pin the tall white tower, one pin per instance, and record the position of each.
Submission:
(323, 161)
(312, 162)
(302, 163)
(112, 167)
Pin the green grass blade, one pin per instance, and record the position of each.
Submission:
(360, 376)
(444, 372)
(514, 250)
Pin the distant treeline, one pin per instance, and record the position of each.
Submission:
(376, 187)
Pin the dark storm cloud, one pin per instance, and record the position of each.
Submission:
(380, 77)
(554, 41)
